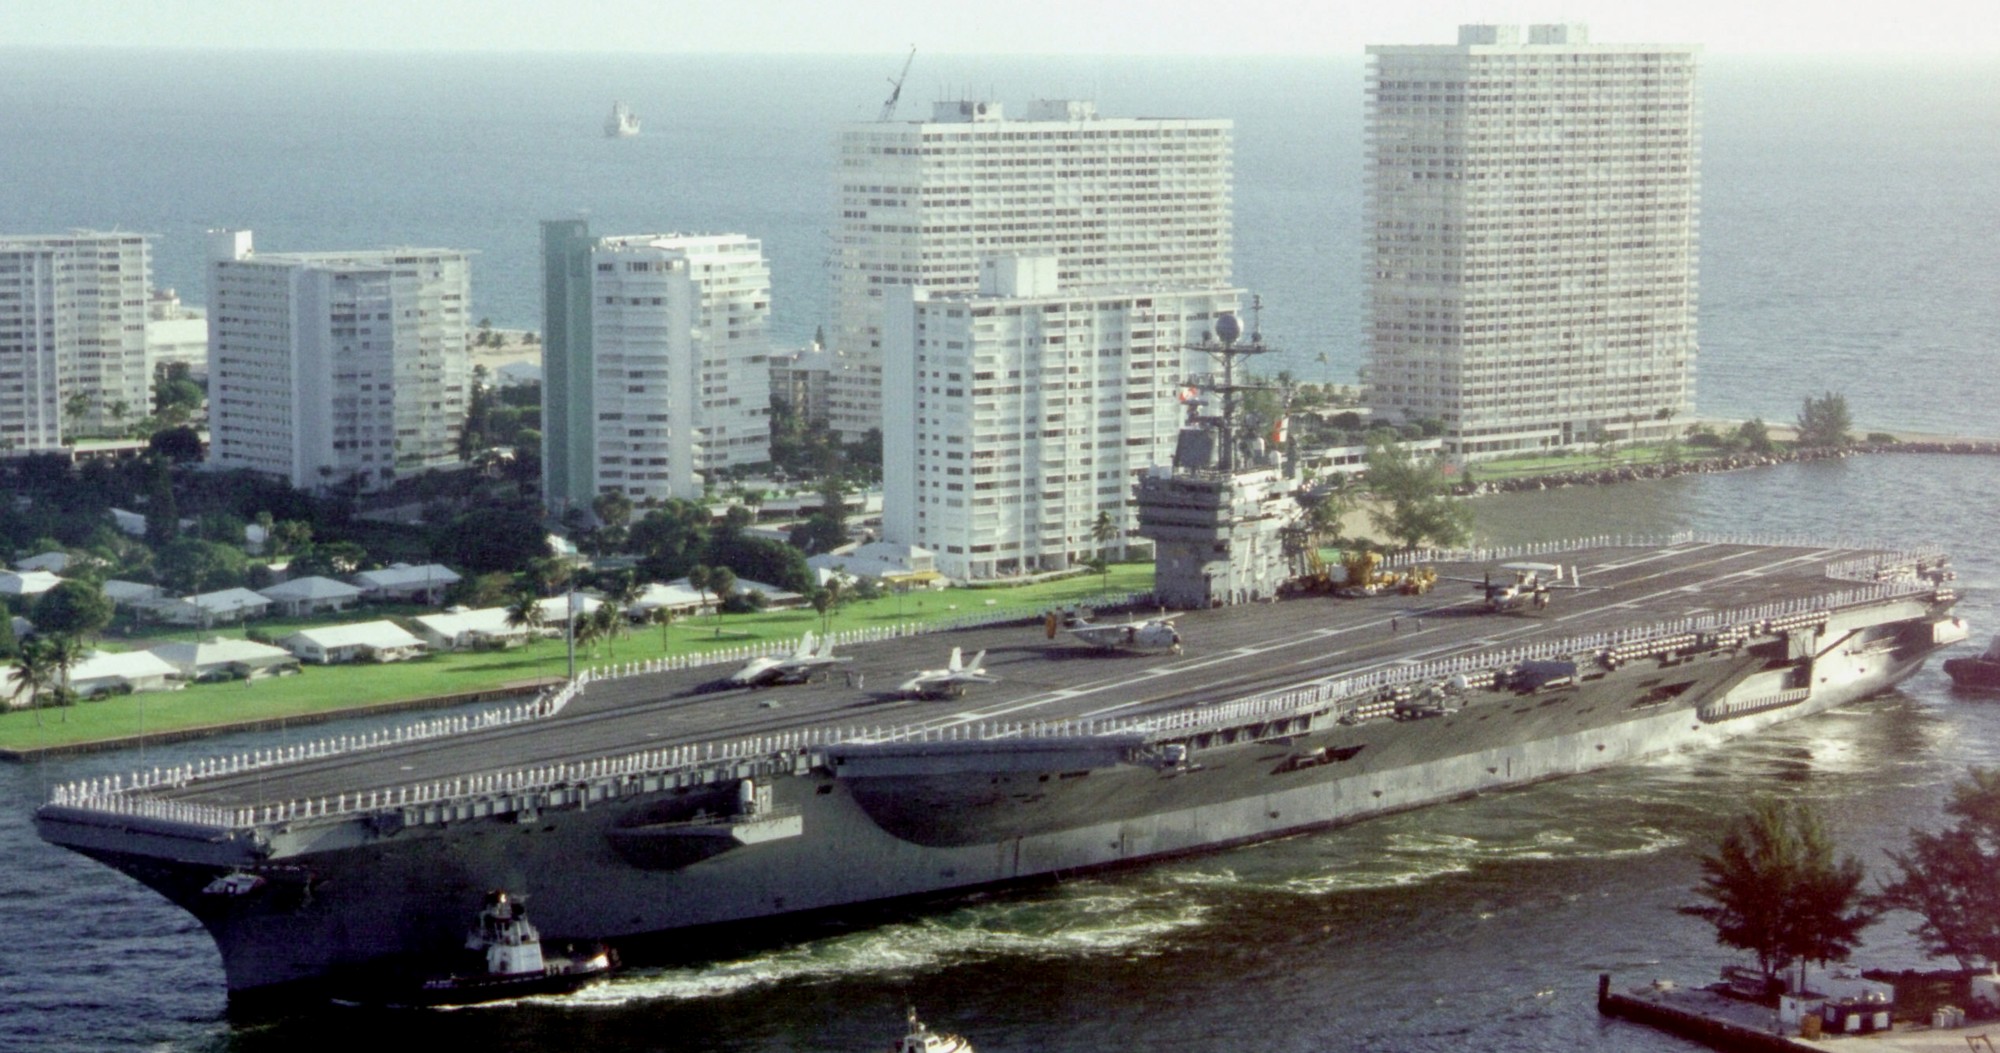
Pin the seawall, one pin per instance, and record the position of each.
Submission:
(1728, 463)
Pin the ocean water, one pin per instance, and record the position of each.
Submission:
(1847, 246)
(1846, 220)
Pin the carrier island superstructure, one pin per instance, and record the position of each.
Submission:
(641, 804)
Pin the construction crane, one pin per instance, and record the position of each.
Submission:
(896, 87)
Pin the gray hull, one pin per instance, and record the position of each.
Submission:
(854, 823)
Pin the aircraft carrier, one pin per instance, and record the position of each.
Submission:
(644, 801)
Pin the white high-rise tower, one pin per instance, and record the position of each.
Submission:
(336, 368)
(1123, 202)
(659, 355)
(1532, 231)
(72, 336)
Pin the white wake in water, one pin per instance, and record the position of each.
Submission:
(1088, 920)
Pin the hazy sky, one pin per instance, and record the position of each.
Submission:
(991, 27)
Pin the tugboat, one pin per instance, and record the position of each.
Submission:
(504, 960)
(1977, 674)
(922, 1039)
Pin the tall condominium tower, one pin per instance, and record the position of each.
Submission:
(336, 368)
(72, 336)
(1531, 219)
(1117, 201)
(656, 362)
(1022, 411)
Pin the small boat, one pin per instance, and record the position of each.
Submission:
(1977, 674)
(622, 123)
(921, 1039)
(504, 959)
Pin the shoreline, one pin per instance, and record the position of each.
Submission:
(1726, 463)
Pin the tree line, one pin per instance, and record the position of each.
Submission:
(1772, 886)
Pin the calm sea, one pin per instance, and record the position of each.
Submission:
(1847, 246)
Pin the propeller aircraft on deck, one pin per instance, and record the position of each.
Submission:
(1140, 635)
(1527, 584)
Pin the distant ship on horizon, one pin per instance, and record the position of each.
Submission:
(622, 123)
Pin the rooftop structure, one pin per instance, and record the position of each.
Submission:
(311, 594)
(72, 336)
(377, 641)
(402, 581)
(103, 672)
(1119, 201)
(27, 582)
(656, 362)
(1531, 219)
(336, 368)
(224, 657)
(208, 608)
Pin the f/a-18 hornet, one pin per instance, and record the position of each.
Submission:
(951, 681)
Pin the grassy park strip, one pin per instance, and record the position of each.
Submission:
(324, 692)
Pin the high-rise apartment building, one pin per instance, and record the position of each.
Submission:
(1023, 410)
(1117, 201)
(72, 336)
(1531, 216)
(656, 359)
(336, 368)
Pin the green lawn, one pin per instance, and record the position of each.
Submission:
(326, 689)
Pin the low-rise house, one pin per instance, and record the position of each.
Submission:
(210, 608)
(131, 523)
(27, 582)
(377, 641)
(131, 593)
(773, 595)
(403, 582)
(465, 630)
(891, 563)
(105, 673)
(311, 595)
(552, 609)
(676, 597)
(53, 562)
(225, 658)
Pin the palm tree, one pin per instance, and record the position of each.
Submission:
(607, 623)
(525, 612)
(662, 616)
(586, 631)
(699, 579)
(834, 596)
(1104, 530)
(34, 672)
(64, 652)
(722, 581)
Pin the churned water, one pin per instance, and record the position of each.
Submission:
(1846, 246)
